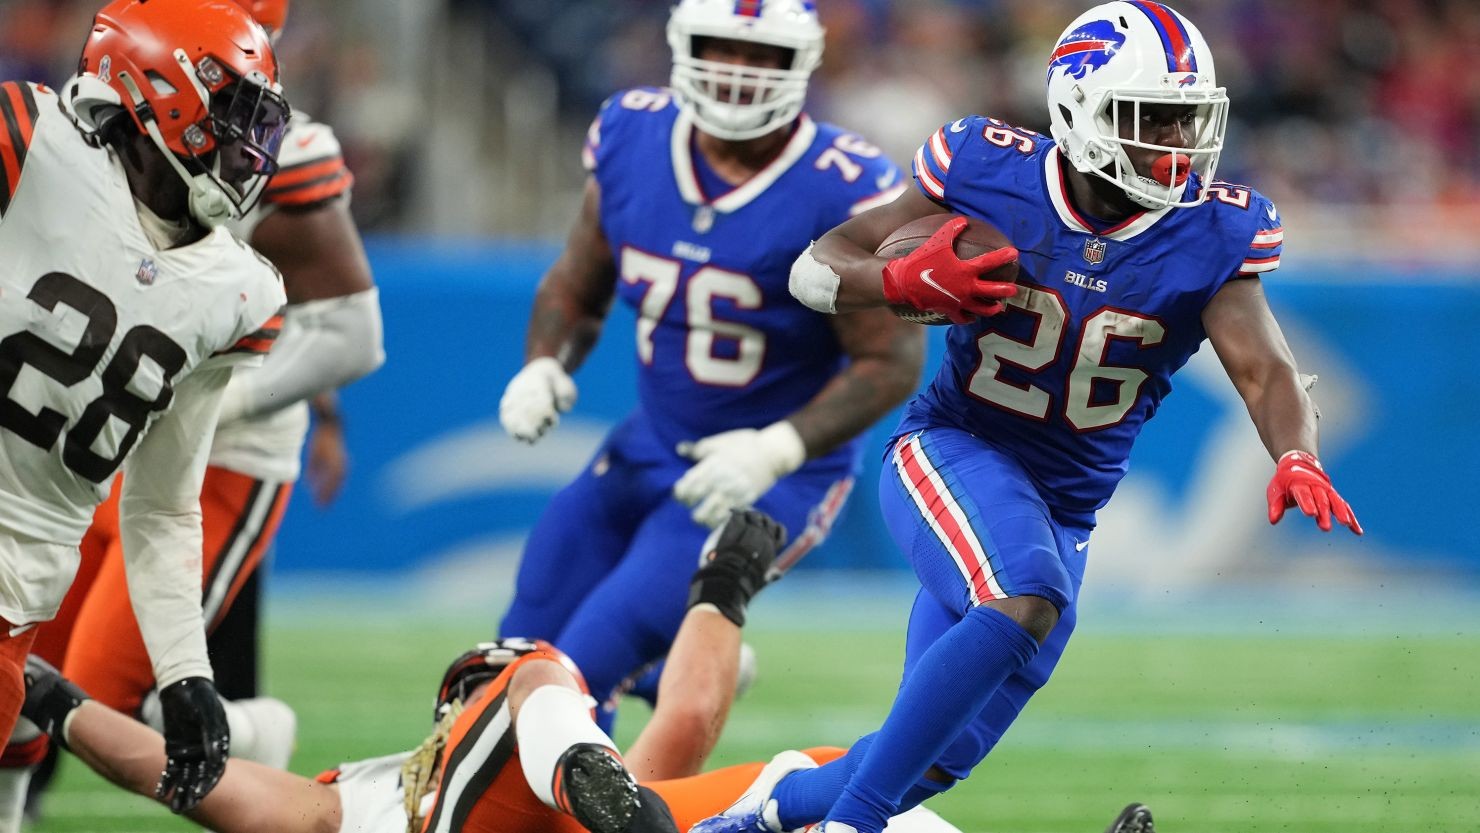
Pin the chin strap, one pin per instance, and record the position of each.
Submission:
(208, 203)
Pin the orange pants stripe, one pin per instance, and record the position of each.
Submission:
(105, 652)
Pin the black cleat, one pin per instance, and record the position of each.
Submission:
(1135, 818)
(596, 789)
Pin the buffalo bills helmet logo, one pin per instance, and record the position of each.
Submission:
(1086, 49)
(1187, 81)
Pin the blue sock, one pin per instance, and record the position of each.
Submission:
(948, 687)
(804, 797)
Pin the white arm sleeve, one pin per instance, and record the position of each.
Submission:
(324, 344)
(160, 518)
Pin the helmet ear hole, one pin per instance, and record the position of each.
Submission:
(1068, 116)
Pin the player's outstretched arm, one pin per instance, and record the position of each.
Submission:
(1253, 350)
(160, 523)
(333, 333)
(249, 797)
(569, 309)
(698, 684)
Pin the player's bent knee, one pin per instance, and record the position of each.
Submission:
(1034, 614)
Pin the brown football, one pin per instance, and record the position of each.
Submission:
(978, 238)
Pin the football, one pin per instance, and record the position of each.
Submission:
(978, 238)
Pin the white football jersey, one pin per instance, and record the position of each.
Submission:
(311, 169)
(97, 326)
(371, 798)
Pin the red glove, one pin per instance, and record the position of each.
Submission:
(1300, 481)
(933, 279)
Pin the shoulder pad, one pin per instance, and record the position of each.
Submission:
(617, 115)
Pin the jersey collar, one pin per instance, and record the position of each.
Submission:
(742, 195)
(1058, 194)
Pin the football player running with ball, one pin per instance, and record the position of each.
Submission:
(698, 200)
(1130, 254)
(124, 306)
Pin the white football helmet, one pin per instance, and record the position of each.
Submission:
(1109, 62)
(712, 91)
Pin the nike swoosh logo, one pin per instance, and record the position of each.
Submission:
(1080, 545)
(307, 139)
(886, 179)
(926, 279)
(1301, 469)
(958, 125)
(1273, 214)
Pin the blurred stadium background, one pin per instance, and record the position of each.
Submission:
(1236, 677)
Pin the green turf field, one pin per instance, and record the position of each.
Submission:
(1236, 733)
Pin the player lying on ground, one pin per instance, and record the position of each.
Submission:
(515, 749)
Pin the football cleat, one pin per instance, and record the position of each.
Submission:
(596, 789)
(755, 811)
(1135, 818)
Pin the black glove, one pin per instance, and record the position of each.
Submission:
(50, 697)
(733, 566)
(196, 740)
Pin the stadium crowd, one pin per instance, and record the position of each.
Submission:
(1343, 102)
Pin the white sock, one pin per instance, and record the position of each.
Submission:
(553, 719)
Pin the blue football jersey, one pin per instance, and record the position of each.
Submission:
(1104, 315)
(721, 344)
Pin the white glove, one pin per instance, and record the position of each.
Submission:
(735, 468)
(535, 399)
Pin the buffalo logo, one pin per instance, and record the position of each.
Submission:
(1187, 81)
(1094, 250)
(1086, 49)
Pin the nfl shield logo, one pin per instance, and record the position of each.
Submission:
(147, 272)
(1094, 250)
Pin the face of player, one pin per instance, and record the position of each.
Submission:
(249, 126)
(741, 53)
(1170, 125)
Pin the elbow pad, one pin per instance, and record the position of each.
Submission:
(814, 283)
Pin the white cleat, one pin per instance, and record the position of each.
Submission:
(755, 811)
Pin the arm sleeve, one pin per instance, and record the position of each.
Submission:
(1269, 239)
(160, 520)
(324, 345)
(932, 163)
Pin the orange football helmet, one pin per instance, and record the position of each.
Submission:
(487, 660)
(272, 14)
(201, 79)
